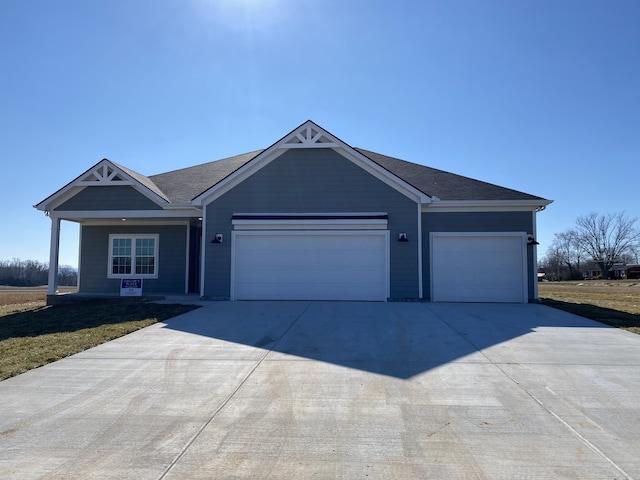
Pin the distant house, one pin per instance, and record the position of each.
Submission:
(309, 217)
(625, 272)
(617, 272)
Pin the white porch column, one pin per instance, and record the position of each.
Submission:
(54, 254)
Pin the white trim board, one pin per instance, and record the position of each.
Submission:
(310, 221)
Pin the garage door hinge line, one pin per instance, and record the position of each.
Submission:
(228, 399)
(573, 431)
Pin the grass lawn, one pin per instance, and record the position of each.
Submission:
(33, 334)
(615, 302)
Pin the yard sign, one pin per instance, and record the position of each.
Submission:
(131, 287)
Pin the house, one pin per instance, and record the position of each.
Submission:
(309, 217)
(620, 272)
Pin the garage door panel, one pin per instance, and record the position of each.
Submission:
(306, 266)
(487, 268)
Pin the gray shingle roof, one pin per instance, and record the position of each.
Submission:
(444, 185)
(146, 181)
(182, 186)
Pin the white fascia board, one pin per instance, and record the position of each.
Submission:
(383, 174)
(237, 177)
(182, 206)
(133, 221)
(485, 205)
(61, 196)
(140, 214)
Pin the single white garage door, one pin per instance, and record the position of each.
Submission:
(324, 265)
(478, 268)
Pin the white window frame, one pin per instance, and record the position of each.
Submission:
(133, 238)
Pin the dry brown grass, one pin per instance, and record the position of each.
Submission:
(33, 334)
(25, 295)
(615, 303)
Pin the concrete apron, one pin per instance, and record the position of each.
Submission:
(335, 390)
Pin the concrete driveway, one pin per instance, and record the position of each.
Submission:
(293, 390)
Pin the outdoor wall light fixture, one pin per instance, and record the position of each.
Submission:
(217, 238)
(532, 241)
(402, 237)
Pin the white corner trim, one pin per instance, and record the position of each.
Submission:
(534, 254)
(420, 266)
(203, 254)
(186, 262)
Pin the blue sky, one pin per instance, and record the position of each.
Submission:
(539, 96)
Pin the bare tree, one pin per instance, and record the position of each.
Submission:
(607, 238)
(567, 249)
(67, 276)
(551, 266)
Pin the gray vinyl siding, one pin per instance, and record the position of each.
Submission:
(476, 222)
(313, 181)
(94, 258)
(108, 198)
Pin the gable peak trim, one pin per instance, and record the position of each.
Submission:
(104, 173)
(309, 135)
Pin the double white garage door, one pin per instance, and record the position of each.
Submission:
(354, 265)
(322, 265)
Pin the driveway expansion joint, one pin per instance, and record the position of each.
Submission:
(546, 408)
(229, 397)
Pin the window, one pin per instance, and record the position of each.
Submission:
(133, 256)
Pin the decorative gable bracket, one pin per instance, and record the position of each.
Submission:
(308, 136)
(104, 173)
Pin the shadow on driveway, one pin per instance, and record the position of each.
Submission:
(395, 339)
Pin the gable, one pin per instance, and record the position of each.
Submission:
(122, 197)
(310, 136)
(108, 175)
(313, 180)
